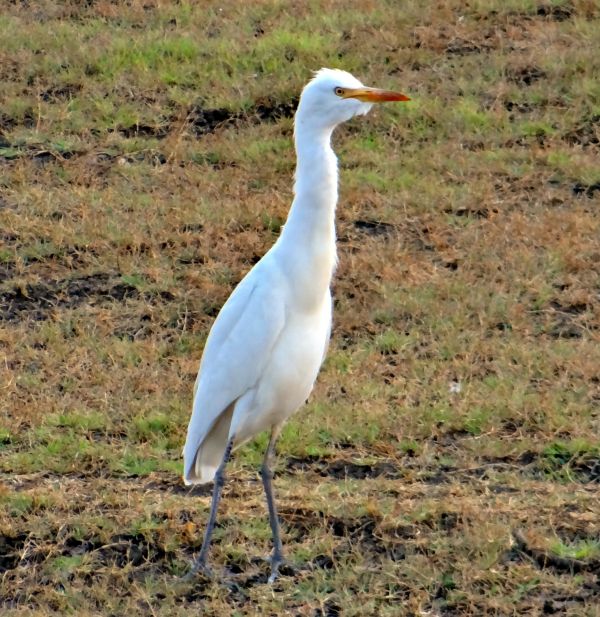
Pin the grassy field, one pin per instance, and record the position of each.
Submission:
(448, 461)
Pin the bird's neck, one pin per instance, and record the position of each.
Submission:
(311, 221)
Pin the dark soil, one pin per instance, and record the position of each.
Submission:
(38, 301)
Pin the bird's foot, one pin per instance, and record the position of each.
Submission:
(199, 568)
(279, 565)
(274, 572)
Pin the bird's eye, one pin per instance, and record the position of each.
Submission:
(339, 91)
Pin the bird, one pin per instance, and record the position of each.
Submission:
(267, 344)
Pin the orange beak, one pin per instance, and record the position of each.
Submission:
(374, 95)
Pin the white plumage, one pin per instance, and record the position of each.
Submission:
(267, 344)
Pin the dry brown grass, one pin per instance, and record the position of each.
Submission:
(448, 461)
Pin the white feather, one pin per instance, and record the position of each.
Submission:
(268, 342)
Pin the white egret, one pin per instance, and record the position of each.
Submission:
(267, 344)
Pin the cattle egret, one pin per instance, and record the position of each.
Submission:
(267, 344)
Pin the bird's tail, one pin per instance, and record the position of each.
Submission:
(201, 460)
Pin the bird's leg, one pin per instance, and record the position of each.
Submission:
(200, 563)
(267, 477)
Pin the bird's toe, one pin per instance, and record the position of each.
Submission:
(280, 567)
(199, 570)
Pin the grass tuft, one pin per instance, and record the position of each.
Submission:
(146, 162)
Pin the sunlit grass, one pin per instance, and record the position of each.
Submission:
(458, 401)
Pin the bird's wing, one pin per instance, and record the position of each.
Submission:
(236, 352)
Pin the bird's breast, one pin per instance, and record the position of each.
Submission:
(309, 276)
(290, 372)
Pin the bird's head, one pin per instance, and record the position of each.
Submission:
(334, 96)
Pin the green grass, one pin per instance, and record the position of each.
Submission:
(458, 402)
(584, 549)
